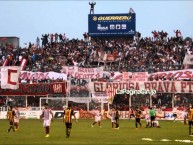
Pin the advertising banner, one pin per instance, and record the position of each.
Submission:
(111, 24)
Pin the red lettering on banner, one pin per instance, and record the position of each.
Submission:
(168, 76)
(131, 85)
(178, 75)
(86, 70)
(31, 76)
(147, 85)
(115, 85)
(166, 86)
(160, 89)
(154, 85)
(183, 86)
(125, 86)
(97, 87)
(187, 74)
(190, 86)
(108, 85)
(10, 71)
(137, 86)
(162, 75)
(173, 88)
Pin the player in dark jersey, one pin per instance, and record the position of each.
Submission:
(117, 119)
(190, 120)
(138, 118)
(10, 117)
(68, 113)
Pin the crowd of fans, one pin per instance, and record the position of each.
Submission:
(157, 53)
(138, 54)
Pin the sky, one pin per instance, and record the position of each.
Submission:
(29, 19)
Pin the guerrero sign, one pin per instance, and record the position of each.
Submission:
(36, 89)
(111, 24)
(158, 86)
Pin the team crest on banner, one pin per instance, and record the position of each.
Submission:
(10, 75)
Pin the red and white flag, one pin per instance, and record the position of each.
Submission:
(111, 92)
(10, 77)
(23, 63)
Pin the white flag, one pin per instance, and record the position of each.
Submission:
(10, 75)
(188, 59)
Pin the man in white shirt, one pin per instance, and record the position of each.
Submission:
(98, 116)
(46, 112)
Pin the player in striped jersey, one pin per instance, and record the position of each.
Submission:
(46, 112)
(10, 117)
(68, 113)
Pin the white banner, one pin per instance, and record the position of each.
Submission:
(83, 73)
(158, 86)
(135, 76)
(29, 75)
(10, 76)
(185, 74)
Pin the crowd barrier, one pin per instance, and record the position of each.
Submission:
(58, 114)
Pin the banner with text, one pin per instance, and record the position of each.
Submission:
(136, 76)
(29, 75)
(83, 73)
(36, 89)
(158, 86)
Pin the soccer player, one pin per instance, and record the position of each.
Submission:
(46, 112)
(117, 119)
(16, 118)
(138, 118)
(98, 116)
(147, 119)
(112, 114)
(190, 120)
(68, 113)
(10, 117)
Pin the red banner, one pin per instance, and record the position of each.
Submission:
(36, 89)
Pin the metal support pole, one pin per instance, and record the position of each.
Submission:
(87, 105)
(26, 102)
(150, 100)
(173, 96)
(40, 103)
(129, 101)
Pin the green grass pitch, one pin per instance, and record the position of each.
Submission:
(31, 132)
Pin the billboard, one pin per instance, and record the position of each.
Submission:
(40, 89)
(111, 24)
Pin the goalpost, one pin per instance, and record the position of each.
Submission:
(54, 102)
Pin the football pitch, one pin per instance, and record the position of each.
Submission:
(31, 132)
